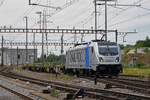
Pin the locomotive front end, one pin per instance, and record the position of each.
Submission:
(109, 58)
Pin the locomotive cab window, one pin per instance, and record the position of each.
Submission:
(113, 50)
(108, 49)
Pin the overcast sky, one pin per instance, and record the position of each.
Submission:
(79, 14)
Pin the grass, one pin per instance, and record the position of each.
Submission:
(48, 64)
(67, 77)
(19, 68)
(53, 93)
(61, 76)
(4, 66)
(136, 71)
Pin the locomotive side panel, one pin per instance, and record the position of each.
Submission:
(82, 58)
(75, 58)
(92, 58)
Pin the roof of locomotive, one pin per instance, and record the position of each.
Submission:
(107, 43)
(93, 42)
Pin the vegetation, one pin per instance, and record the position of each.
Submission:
(53, 93)
(145, 50)
(140, 65)
(4, 66)
(49, 61)
(137, 65)
(142, 59)
(53, 59)
(138, 68)
(136, 71)
(139, 44)
(19, 68)
(61, 76)
(143, 43)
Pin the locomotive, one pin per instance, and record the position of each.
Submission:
(96, 57)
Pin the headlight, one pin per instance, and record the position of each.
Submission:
(101, 59)
(117, 59)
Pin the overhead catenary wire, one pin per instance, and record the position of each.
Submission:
(133, 18)
(26, 13)
(130, 19)
(86, 21)
(147, 9)
(2, 2)
(124, 10)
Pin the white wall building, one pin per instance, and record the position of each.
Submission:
(17, 56)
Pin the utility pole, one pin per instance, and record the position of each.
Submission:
(106, 27)
(34, 45)
(46, 35)
(105, 20)
(105, 16)
(29, 2)
(40, 22)
(43, 38)
(82, 35)
(42, 55)
(62, 41)
(116, 36)
(17, 56)
(95, 2)
(26, 18)
(46, 43)
(62, 48)
(11, 53)
(2, 60)
(75, 35)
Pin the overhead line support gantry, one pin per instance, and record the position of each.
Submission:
(54, 31)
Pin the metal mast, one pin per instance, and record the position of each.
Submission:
(2, 60)
(43, 38)
(62, 47)
(95, 19)
(105, 20)
(26, 18)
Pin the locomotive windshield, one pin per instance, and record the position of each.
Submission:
(108, 49)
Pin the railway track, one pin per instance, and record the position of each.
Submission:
(127, 84)
(140, 86)
(90, 92)
(135, 80)
(131, 76)
(16, 93)
(132, 84)
(138, 83)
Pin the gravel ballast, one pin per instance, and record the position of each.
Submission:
(5, 95)
(17, 89)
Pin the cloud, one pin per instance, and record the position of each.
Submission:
(80, 15)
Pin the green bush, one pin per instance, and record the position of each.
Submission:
(140, 65)
(145, 50)
(53, 93)
(125, 65)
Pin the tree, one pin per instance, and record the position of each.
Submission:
(121, 46)
(145, 50)
(147, 38)
(135, 51)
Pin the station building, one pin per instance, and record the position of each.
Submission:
(17, 56)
